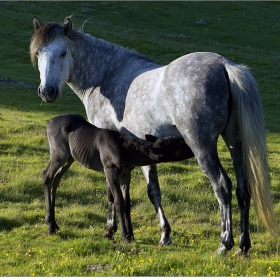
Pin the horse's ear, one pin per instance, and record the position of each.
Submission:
(36, 23)
(67, 26)
(151, 138)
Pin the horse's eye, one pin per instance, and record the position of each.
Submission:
(37, 54)
(63, 54)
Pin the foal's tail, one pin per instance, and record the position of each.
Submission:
(248, 106)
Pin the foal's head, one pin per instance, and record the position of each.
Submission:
(50, 45)
(166, 149)
(169, 148)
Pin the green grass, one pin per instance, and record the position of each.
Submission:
(246, 32)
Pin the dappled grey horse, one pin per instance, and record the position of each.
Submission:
(198, 96)
(71, 138)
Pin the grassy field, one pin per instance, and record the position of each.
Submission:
(245, 32)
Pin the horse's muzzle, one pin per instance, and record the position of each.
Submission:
(48, 94)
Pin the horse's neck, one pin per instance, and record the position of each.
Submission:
(101, 74)
(97, 63)
(88, 63)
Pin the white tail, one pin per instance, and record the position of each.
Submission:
(248, 105)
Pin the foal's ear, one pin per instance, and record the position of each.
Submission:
(36, 23)
(67, 26)
(151, 138)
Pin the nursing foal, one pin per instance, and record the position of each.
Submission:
(71, 138)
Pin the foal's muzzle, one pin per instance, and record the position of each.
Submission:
(49, 93)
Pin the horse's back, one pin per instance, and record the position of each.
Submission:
(192, 92)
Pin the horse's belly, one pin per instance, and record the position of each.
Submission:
(147, 109)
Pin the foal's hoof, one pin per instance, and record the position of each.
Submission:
(108, 235)
(53, 229)
(242, 253)
(128, 238)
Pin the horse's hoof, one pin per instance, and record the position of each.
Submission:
(165, 237)
(222, 251)
(242, 253)
(166, 241)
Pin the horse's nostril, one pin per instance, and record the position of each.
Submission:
(54, 90)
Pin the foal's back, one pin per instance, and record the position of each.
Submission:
(72, 136)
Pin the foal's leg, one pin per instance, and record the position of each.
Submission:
(232, 140)
(125, 179)
(111, 225)
(211, 166)
(51, 177)
(112, 176)
(154, 194)
(47, 180)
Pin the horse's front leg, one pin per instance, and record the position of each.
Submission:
(150, 173)
(111, 225)
(112, 177)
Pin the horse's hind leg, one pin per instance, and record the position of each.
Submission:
(242, 192)
(154, 194)
(243, 198)
(211, 166)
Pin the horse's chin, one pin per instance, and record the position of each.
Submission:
(50, 99)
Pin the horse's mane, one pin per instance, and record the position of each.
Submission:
(48, 32)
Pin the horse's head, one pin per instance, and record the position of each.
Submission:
(49, 45)
(168, 149)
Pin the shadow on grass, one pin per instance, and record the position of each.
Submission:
(24, 99)
(9, 224)
(7, 149)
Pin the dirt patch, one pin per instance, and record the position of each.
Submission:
(96, 267)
